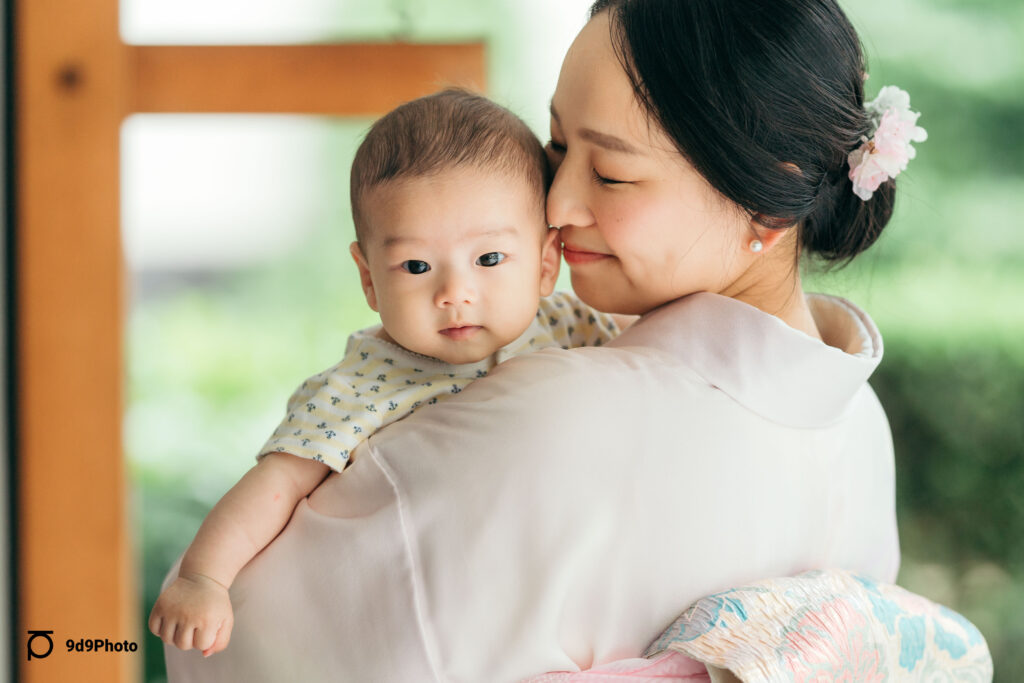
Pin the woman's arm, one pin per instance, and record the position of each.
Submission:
(194, 611)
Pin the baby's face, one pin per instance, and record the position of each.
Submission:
(456, 262)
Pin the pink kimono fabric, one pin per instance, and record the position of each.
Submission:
(823, 625)
(669, 667)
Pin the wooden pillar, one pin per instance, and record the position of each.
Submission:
(75, 83)
(75, 569)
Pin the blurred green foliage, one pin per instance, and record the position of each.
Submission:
(956, 414)
(210, 367)
(945, 285)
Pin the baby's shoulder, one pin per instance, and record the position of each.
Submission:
(561, 302)
(364, 351)
(561, 308)
(571, 323)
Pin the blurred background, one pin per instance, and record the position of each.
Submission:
(236, 231)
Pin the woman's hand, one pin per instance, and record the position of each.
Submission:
(194, 611)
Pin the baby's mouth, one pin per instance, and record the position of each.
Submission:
(460, 332)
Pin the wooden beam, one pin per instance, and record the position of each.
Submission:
(364, 79)
(76, 571)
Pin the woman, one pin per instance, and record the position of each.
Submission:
(561, 512)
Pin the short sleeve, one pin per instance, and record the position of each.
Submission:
(334, 411)
(327, 416)
(572, 323)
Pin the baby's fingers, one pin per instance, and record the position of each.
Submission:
(163, 628)
(155, 621)
(183, 636)
(159, 617)
(164, 618)
(205, 636)
(223, 636)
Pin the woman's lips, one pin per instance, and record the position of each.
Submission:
(461, 332)
(578, 256)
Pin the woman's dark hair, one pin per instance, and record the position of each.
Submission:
(766, 100)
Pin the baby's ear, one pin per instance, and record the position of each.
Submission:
(550, 261)
(364, 275)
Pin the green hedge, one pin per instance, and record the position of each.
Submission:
(957, 417)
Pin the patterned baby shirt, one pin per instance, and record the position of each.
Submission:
(378, 382)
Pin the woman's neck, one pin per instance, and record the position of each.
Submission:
(772, 284)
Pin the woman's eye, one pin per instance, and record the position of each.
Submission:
(415, 267)
(601, 180)
(491, 258)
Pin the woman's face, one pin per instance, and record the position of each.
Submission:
(639, 225)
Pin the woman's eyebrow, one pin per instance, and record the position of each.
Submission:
(609, 142)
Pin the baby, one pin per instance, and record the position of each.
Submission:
(454, 253)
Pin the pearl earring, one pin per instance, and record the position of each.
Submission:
(756, 246)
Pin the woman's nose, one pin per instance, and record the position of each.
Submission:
(567, 203)
(456, 288)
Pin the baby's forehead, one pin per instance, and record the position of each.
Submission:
(467, 175)
(397, 236)
(458, 204)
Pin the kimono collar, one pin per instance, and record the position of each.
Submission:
(761, 362)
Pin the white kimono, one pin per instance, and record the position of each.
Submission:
(561, 512)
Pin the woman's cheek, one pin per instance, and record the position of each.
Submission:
(607, 217)
(625, 223)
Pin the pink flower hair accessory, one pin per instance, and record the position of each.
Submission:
(886, 154)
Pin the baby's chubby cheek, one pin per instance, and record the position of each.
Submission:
(405, 328)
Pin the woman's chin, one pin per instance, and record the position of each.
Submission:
(601, 293)
(615, 295)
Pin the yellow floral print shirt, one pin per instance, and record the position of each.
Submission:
(378, 382)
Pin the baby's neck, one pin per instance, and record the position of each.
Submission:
(383, 335)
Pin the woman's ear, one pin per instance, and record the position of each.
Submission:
(762, 238)
(550, 261)
(364, 275)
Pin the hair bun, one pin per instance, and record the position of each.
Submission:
(843, 225)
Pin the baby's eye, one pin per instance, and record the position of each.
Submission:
(415, 267)
(491, 258)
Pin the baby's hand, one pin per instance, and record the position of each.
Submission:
(194, 611)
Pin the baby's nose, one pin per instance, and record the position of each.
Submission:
(456, 289)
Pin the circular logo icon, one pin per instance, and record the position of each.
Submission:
(34, 651)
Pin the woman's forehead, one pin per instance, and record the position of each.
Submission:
(591, 60)
(594, 97)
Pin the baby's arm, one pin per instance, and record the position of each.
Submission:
(195, 611)
(623, 320)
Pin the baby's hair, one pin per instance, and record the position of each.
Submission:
(442, 131)
(748, 90)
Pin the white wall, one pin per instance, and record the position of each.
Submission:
(206, 192)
